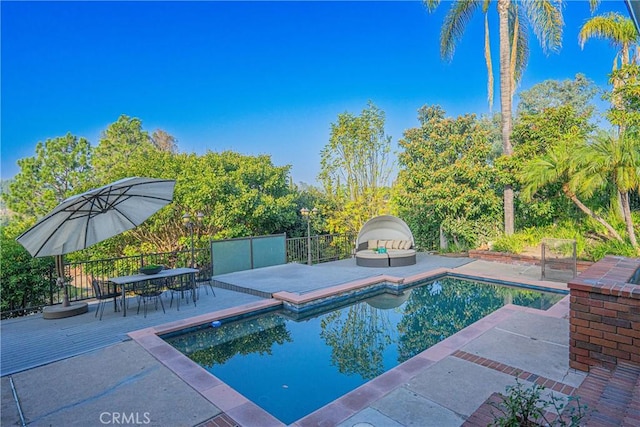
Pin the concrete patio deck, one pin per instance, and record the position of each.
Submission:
(82, 371)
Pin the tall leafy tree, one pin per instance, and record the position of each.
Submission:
(60, 168)
(240, 195)
(577, 93)
(446, 180)
(123, 145)
(534, 135)
(514, 18)
(355, 167)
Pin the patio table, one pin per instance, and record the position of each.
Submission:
(123, 281)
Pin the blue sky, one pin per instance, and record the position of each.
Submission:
(254, 77)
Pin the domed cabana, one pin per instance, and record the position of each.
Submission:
(385, 241)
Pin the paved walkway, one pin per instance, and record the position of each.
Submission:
(82, 371)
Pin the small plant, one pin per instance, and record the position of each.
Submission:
(525, 407)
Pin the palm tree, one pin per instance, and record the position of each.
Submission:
(619, 30)
(562, 165)
(622, 34)
(613, 160)
(545, 19)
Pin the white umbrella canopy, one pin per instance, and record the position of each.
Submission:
(96, 215)
(89, 218)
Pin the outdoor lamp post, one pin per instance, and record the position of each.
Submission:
(308, 213)
(186, 220)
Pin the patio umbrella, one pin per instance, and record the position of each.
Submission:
(91, 217)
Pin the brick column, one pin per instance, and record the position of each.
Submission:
(605, 315)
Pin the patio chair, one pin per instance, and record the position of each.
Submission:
(150, 289)
(180, 285)
(103, 291)
(203, 277)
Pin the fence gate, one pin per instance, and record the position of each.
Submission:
(558, 254)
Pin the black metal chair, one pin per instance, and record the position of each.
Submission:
(204, 277)
(103, 291)
(181, 285)
(147, 290)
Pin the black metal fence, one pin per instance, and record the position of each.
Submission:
(320, 248)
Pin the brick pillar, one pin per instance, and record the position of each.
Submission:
(605, 315)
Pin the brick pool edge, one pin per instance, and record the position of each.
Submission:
(605, 315)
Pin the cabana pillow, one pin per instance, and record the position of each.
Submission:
(372, 244)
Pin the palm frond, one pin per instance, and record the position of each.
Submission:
(519, 35)
(485, 6)
(545, 17)
(431, 5)
(487, 58)
(612, 26)
(454, 25)
(539, 172)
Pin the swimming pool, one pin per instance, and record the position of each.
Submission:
(292, 365)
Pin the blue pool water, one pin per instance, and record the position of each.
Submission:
(291, 367)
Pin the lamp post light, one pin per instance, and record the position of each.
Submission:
(186, 220)
(308, 213)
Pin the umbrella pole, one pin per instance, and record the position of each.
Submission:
(66, 309)
(61, 279)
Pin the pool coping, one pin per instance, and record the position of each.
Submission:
(245, 412)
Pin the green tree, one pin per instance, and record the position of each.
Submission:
(123, 146)
(545, 19)
(308, 196)
(240, 195)
(625, 98)
(578, 93)
(355, 168)
(623, 151)
(561, 164)
(534, 134)
(614, 160)
(60, 168)
(446, 179)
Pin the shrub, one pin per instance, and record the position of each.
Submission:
(524, 407)
(24, 281)
(517, 242)
(610, 247)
